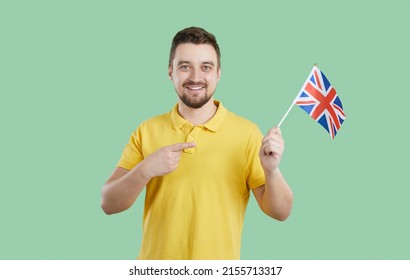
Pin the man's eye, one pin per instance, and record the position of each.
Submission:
(207, 68)
(184, 67)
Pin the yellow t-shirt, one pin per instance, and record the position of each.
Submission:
(197, 211)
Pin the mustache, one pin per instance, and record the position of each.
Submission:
(192, 83)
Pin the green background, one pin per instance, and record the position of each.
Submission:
(77, 77)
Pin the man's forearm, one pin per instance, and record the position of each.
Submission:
(118, 194)
(277, 199)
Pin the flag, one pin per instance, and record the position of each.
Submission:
(319, 99)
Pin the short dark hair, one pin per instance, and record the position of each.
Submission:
(194, 35)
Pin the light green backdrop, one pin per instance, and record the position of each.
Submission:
(77, 77)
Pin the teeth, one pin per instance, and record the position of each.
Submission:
(195, 88)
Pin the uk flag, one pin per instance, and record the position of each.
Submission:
(318, 98)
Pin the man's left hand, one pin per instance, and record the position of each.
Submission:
(272, 149)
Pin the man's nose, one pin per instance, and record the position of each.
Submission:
(196, 75)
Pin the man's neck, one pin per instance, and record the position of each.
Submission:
(200, 115)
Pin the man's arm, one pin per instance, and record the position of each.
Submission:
(123, 187)
(275, 198)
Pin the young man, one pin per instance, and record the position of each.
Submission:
(198, 163)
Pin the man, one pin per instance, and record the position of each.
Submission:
(198, 163)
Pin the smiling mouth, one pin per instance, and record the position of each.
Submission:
(195, 87)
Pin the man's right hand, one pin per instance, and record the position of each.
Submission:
(164, 160)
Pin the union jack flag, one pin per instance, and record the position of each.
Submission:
(318, 98)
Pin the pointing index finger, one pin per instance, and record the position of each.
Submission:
(182, 146)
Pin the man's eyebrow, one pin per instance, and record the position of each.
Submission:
(209, 62)
(183, 62)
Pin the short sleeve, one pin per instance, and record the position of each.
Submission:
(255, 176)
(132, 153)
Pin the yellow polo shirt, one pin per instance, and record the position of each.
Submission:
(197, 211)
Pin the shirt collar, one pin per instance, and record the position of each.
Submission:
(213, 124)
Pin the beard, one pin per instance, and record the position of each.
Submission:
(195, 102)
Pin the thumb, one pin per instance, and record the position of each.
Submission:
(275, 130)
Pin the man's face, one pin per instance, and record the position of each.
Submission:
(194, 73)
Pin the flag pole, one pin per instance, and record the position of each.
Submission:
(286, 114)
(291, 106)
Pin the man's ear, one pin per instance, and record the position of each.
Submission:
(170, 72)
(219, 73)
